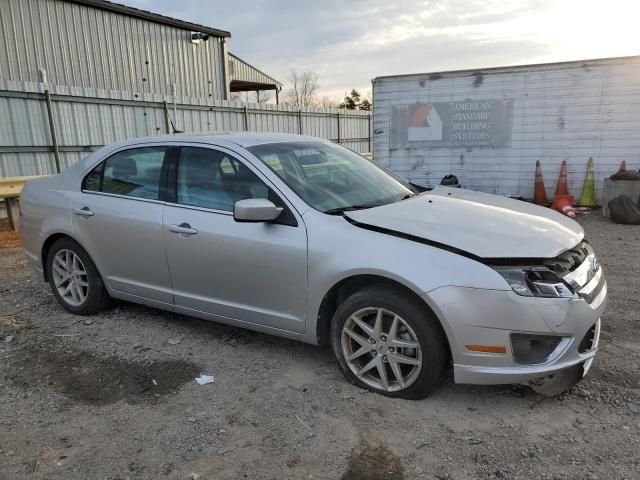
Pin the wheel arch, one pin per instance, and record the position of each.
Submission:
(345, 287)
(48, 243)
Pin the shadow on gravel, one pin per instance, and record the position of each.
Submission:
(87, 378)
(374, 463)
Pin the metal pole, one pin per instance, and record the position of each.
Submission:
(369, 134)
(338, 116)
(52, 129)
(166, 117)
(277, 101)
(300, 122)
(246, 118)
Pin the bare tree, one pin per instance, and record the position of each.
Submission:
(239, 96)
(263, 96)
(302, 92)
(259, 96)
(327, 102)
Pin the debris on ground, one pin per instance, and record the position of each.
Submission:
(204, 379)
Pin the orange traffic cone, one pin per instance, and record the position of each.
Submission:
(562, 188)
(623, 173)
(623, 166)
(564, 205)
(539, 193)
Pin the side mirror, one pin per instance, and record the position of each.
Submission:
(255, 210)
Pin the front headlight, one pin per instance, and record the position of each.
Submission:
(535, 282)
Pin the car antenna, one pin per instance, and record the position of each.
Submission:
(173, 127)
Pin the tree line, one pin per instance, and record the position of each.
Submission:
(302, 91)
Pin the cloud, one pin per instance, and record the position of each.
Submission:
(348, 43)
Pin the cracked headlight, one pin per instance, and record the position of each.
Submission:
(535, 282)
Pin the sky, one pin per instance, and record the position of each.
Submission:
(350, 42)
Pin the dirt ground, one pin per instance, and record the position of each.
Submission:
(113, 396)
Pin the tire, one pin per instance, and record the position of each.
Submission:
(82, 293)
(415, 326)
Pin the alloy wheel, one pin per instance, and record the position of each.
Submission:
(381, 349)
(70, 277)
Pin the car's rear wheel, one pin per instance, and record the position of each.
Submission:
(390, 343)
(74, 278)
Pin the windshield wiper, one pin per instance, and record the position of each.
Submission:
(339, 210)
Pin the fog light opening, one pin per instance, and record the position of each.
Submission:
(536, 349)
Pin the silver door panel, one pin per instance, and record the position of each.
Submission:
(253, 272)
(124, 237)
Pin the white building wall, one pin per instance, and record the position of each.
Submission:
(565, 111)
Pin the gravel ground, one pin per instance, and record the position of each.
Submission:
(113, 396)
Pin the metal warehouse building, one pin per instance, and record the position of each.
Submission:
(104, 45)
(76, 75)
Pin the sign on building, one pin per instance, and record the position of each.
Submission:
(472, 123)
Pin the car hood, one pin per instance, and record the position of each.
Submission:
(484, 225)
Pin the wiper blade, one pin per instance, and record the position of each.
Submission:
(339, 210)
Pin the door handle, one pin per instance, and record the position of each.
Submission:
(83, 212)
(183, 228)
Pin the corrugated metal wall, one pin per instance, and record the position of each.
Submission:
(242, 71)
(86, 119)
(566, 111)
(89, 47)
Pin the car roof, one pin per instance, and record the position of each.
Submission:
(243, 139)
(221, 139)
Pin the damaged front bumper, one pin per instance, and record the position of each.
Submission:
(492, 317)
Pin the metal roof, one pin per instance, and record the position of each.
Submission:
(245, 76)
(530, 66)
(150, 16)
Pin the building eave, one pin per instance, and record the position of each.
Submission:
(150, 16)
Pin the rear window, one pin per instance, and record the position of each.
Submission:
(132, 173)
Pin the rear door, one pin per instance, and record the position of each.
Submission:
(252, 272)
(117, 217)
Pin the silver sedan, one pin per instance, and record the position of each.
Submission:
(299, 237)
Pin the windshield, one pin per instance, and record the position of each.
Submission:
(330, 177)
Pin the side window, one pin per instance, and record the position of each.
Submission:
(212, 179)
(93, 181)
(134, 173)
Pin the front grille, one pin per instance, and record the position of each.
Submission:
(587, 342)
(569, 260)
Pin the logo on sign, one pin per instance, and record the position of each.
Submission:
(425, 124)
(465, 123)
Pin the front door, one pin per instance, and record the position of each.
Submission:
(252, 272)
(117, 217)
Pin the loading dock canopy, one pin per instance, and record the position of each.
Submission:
(247, 78)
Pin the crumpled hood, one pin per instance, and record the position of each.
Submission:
(485, 225)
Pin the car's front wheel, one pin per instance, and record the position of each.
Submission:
(74, 278)
(389, 342)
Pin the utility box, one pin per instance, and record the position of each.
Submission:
(489, 126)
